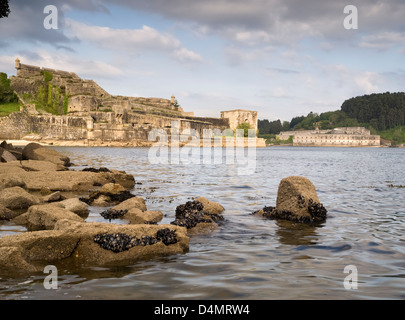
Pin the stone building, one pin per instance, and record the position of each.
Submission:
(93, 114)
(345, 136)
(238, 116)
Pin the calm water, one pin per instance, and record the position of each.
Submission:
(250, 257)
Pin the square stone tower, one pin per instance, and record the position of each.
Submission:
(239, 116)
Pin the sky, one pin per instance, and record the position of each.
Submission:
(282, 58)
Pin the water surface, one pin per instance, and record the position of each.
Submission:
(250, 257)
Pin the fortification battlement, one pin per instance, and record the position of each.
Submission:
(26, 70)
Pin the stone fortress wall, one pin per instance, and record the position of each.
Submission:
(95, 115)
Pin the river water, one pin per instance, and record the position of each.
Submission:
(249, 257)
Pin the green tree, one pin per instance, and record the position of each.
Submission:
(50, 94)
(245, 127)
(41, 95)
(6, 93)
(56, 103)
(4, 9)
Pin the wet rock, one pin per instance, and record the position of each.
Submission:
(17, 198)
(76, 206)
(119, 242)
(192, 214)
(34, 151)
(16, 152)
(113, 214)
(53, 197)
(89, 244)
(210, 206)
(44, 217)
(6, 156)
(297, 200)
(7, 214)
(167, 236)
(9, 182)
(108, 194)
(102, 169)
(41, 165)
(11, 168)
(64, 180)
(131, 203)
(137, 216)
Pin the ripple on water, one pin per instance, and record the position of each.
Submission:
(249, 257)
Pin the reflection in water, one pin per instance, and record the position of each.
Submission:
(248, 257)
(296, 234)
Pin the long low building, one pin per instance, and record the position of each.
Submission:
(347, 136)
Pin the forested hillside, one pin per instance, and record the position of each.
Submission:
(382, 111)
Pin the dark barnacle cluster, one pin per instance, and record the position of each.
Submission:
(317, 210)
(119, 242)
(301, 201)
(167, 236)
(113, 214)
(115, 242)
(191, 213)
(120, 197)
(102, 169)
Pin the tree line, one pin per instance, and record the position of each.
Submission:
(380, 112)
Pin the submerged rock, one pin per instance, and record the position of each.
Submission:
(297, 200)
(111, 214)
(109, 193)
(102, 169)
(90, 244)
(192, 214)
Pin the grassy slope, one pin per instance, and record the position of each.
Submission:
(7, 108)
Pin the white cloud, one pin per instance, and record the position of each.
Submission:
(82, 67)
(184, 55)
(383, 40)
(367, 82)
(132, 41)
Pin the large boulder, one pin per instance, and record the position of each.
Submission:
(34, 151)
(44, 217)
(297, 200)
(90, 244)
(17, 198)
(76, 206)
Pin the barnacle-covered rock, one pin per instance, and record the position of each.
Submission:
(90, 244)
(192, 214)
(297, 200)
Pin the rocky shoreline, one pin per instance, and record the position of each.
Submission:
(40, 191)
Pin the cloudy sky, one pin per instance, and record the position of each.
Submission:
(283, 58)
